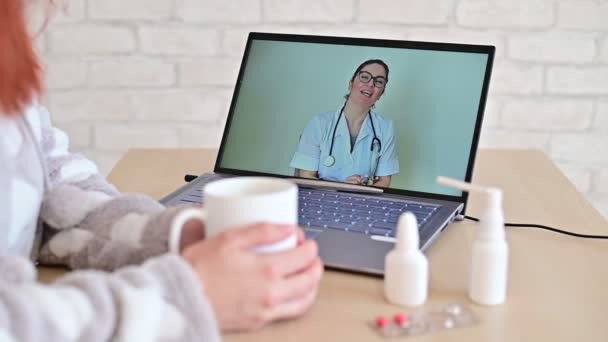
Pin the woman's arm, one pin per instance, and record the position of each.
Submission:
(88, 223)
(388, 164)
(161, 300)
(383, 181)
(306, 157)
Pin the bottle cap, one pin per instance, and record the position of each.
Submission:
(407, 232)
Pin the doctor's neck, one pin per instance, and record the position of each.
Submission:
(354, 112)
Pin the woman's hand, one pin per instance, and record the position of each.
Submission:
(246, 289)
(192, 232)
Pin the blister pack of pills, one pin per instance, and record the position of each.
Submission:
(450, 316)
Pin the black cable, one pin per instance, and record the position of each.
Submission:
(190, 178)
(585, 236)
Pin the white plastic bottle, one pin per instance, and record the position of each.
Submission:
(406, 269)
(488, 284)
(489, 255)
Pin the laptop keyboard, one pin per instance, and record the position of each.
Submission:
(348, 212)
(355, 213)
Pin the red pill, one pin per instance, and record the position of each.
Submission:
(401, 319)
(381, 322)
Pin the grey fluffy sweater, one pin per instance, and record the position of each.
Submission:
(56, 209)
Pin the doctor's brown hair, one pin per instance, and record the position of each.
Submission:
(368, 62)
(20, 71)
(363, 65)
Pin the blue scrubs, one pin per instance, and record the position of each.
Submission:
(315, 143)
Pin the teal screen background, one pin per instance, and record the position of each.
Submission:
(432, 97)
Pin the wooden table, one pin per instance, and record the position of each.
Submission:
(558, 285)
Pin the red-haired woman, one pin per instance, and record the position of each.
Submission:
(56, 209)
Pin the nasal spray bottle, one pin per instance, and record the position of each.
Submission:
(406, 269)
(488, 282)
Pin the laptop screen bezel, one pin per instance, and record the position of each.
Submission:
(404, 44)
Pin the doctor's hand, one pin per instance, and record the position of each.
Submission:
(354, 179)
(247, 290)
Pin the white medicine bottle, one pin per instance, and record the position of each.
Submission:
(489, 259)
(490, 253)
(406, 269)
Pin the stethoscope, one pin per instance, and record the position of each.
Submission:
(331, 161)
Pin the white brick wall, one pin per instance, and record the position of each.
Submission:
(492, 113)
(583, 14)
(459, 35)
(587, 149)
(510, 138)
(75, 12)
(298, 11)
(90, 39)
(167, 41)
(580, 81)
(566, 47)
(219, 12)
(234, 39)
(604, 49)
(66, 73)
(602, 179)
(601, 118)
(432, 12)
(507, 14)
(90, 105)
(132, 9)
(114, 136)
(553, 114)
(516, 78)
(195, 105)
(131, 73)
(208, 71)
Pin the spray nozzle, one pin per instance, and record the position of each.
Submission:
(493, 196)
(491, 214)
(464, 186)
(407, 232)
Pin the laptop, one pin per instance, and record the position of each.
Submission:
(429, 115)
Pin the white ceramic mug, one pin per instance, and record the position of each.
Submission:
(240, 201)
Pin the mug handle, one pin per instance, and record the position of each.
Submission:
(178, 223)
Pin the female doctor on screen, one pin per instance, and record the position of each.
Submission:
(354, 144)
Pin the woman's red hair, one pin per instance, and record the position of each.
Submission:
(20, 72)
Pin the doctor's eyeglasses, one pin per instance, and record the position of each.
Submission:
(365, 77)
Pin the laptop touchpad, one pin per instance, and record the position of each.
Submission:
(312, 234)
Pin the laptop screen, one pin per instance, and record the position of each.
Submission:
(392, 114)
